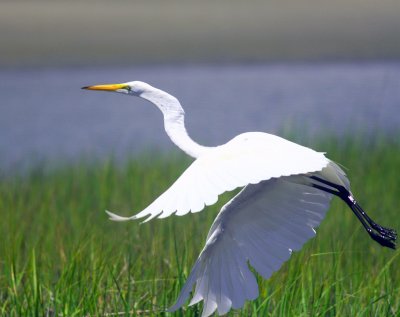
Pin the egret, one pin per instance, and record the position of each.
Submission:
(286, 191)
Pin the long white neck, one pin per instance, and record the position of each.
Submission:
(174, 121)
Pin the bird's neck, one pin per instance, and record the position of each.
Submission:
(174, 122)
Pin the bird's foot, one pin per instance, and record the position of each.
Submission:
(391, 233)
(383, 239)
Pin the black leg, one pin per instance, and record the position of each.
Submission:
(390, 232)
(344, 194)
(384, 236)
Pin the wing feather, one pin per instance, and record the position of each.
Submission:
(247, 159)
(260, 226)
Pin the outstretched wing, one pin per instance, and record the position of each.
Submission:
(247, 159)
(261, 226)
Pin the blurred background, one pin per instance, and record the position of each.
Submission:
(305, 67)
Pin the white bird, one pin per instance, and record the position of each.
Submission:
(286, 192)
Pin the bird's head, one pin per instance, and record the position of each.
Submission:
(168, 104)
(135, 88)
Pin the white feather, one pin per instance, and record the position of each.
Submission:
(247, 159)
(260, 226)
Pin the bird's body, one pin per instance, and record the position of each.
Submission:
(286, 192)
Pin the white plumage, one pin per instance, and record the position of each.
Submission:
(274, 214)
(247, 159)
(262, 225)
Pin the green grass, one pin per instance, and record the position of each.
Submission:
(60, 256)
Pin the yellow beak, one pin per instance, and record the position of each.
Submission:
(108, 87)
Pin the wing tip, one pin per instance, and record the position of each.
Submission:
(115, 217)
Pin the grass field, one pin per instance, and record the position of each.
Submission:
(60, 256)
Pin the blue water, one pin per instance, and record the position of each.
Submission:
(45, 114)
